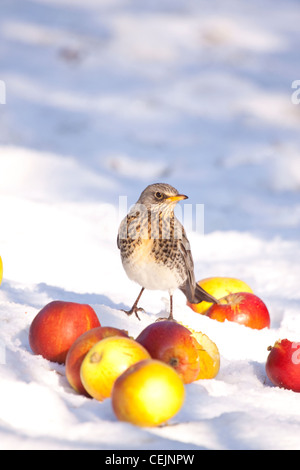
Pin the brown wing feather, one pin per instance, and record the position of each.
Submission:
(189, 286)
(193, 292)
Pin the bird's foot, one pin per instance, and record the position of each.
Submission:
(135, 309)
(169, 318)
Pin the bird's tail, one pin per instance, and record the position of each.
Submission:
(198, 295)
(201, 294)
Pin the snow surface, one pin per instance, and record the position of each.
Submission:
(106, 96)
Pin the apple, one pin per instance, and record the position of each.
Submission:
(283, 364)
(174, 344)
(209, 356)
(105, 361)
(242, 307)
(79, 349)
(149, 393)
(1, 270)
(57, 326)
(219, 287)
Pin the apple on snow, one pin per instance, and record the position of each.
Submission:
(219, 286)
(243, 308)
(283, 364)
(57, 326)
(148, 393)
(106, 361)
(80, 348)
(193, 355)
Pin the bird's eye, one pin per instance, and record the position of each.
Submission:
(158, 195)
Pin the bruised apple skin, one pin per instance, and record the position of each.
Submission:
(243, 308)
(173, 344)
(283, 365)
(80, 348)
(57, 326)
(219, 287)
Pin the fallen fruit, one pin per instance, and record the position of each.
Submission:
(105, 361)
(244, 308)
(219, 287)
(209, 356)
(80, 348)
(149, 393)
(1, 270)
(57, 326)
(283, 364)
(173, 344)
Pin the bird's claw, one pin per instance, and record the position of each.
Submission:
(169, 318)
(134, 310)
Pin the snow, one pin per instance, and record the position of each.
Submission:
(103, 98)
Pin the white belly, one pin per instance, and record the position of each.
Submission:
(152, 275)
(143, 269)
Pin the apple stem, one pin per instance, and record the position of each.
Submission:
(173, 362)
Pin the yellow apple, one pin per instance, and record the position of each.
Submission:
(1, 270)
(209, 356)
(105, 361)
(80, 348)
(149, 393)
(219, 287)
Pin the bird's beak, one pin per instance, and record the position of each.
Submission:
(177, 198)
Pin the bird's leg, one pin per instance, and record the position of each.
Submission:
(170, 317)
(135, 309)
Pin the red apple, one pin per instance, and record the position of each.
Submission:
(242, 307)
(80, 348)
(173, 344)
(283, 364)
(218, 286)
(57, 326)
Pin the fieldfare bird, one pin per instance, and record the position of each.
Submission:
(154, 248)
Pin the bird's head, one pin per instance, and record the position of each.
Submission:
(160, 196)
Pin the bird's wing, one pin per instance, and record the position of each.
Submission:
(190, 284)
(193, 292)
